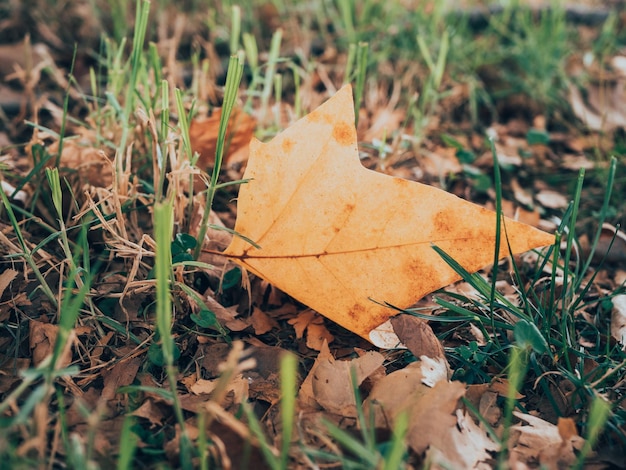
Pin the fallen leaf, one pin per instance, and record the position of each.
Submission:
(618, 320)
(238, 386)
(262, 322)
(306, 397)
(312, 323)
(332, 383)
(92, 164)
(123, 373)
(417, 336)
(6, 278)
(468, 446)
(42, 339)
(150, 411)
(430, 409)
(335, 235)
(540, 441)
(203, 136)
(612, 244)
(602, 106)
(551, 199)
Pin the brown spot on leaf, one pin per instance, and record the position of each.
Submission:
(356, 312)
(343, 133)
(287, 145)
(442, 223)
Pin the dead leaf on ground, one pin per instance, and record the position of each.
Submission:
(42, 339)
(312, 323)
(612, 244)
(262, 322)
(203, 135)
(332, 384)
(552, 446)
(602, 106)
(6, 278)
(238, 386)
(122, 374)
(92, 164)
(417, 335)
(618, 320)
(469, 446)
(150, 411)
(329, 384)
(551, 199)
(328, 225)
(430, 409)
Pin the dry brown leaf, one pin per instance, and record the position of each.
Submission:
(540, 441)
(306, 397)
(150, 411)
(122, 374)
(430, 410)
(468, 446)
(6, 278)
(42, 338)
(312, 323)
(335, 235)
(203, 136)
(332, 381)
(262, 322)
(417, 336)
(92, 164)
(612, 244)
(238, 386)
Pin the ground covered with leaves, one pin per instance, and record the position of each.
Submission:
(129, 337)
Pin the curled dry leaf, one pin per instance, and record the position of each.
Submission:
(335, 235)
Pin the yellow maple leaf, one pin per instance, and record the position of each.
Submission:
(335, 235)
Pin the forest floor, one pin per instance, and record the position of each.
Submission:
(128, 337)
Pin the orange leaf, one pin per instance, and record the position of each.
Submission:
(335, 235)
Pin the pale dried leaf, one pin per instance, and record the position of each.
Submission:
(332, 382)
(306, 397)
(468, 446)
(551, 199)
(434, 369)
(618, 319)
(602, 109)
(541, 441)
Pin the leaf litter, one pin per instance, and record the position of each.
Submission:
(111, 351)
